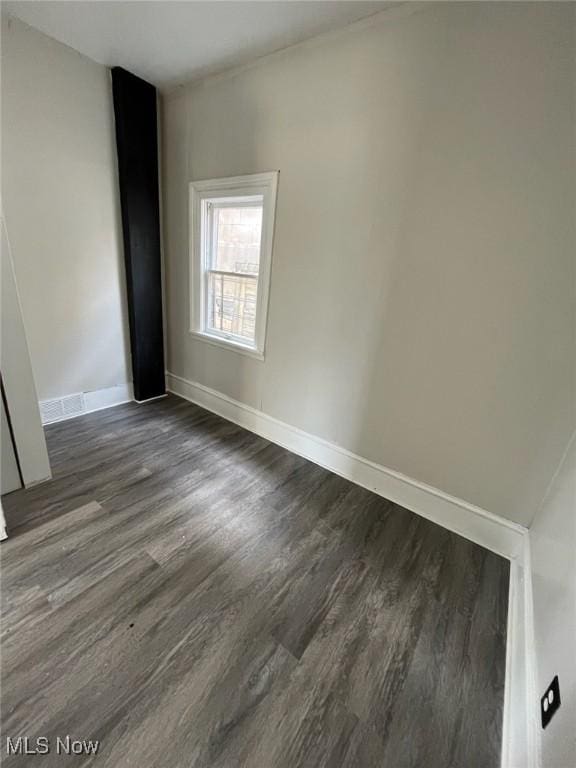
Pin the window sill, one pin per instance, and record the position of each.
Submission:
(232, 346)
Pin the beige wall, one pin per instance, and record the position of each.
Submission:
(553, 546)
(61, 203)
(422, 299)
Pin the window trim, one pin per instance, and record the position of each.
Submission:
(227, 189)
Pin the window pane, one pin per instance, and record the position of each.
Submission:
(237, 238)
(232, 305)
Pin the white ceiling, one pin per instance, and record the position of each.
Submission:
(169, 43)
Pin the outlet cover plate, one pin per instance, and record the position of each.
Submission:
(550, 702)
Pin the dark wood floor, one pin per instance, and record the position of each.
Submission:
(191, 595)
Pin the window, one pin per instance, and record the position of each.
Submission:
(232, 226)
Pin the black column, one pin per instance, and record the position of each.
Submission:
(137, 144)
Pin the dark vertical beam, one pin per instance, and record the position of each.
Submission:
(137, 144)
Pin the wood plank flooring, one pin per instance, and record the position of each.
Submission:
(190, 594)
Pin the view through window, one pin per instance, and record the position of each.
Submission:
(233, 262)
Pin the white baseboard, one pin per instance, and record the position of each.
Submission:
(3, 534)
(151, 399)
(81, 403)
(489, 530)
(521, 742)
(105, 398)
(532, 709)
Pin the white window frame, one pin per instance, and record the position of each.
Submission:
(231, 190)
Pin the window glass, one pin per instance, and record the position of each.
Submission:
(237, 238)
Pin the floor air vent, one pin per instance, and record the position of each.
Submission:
(62, 408)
